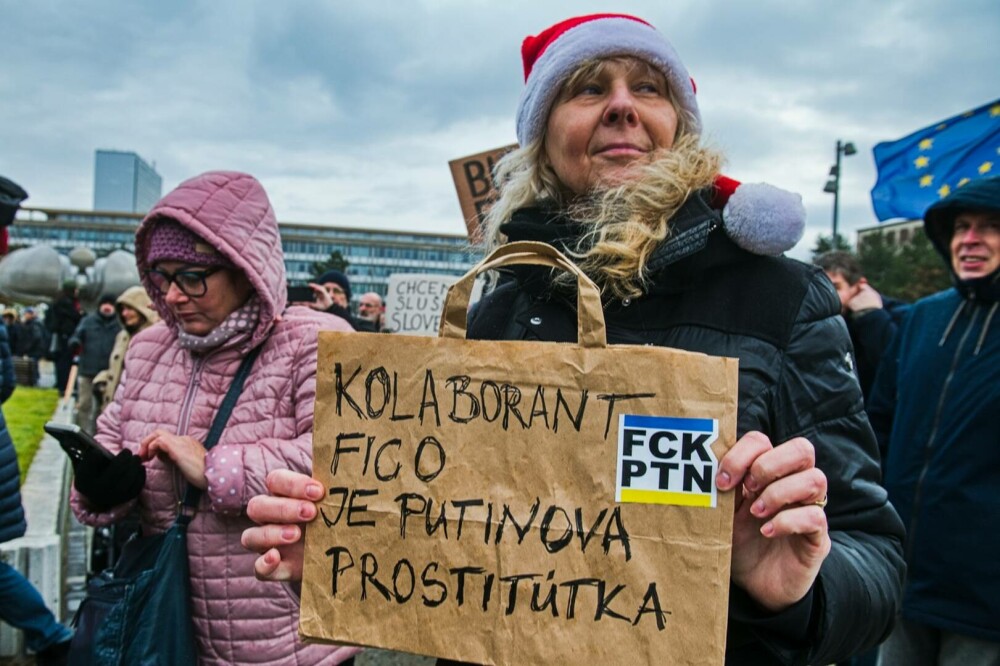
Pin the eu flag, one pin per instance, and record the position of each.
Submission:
(929, 164)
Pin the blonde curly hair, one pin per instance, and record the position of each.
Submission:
(623, 224)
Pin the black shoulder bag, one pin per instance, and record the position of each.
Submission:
(139, 612)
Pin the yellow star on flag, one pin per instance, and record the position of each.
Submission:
(963, 182)
(995, 110)
(925, 181)
(926, 144)
(985, 167)
(944, 191)
(921, 161)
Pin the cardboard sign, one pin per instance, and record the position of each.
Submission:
(414, 301)
(474, 183)
(471, 510)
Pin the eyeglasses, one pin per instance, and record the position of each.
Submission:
(191, 283)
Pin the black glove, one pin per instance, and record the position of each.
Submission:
(106, 483)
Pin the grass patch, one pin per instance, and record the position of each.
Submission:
(27, 410)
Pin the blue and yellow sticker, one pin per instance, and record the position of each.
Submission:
(666, 460)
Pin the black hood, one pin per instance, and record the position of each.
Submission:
(939, 225)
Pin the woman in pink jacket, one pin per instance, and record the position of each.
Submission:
(210, 255)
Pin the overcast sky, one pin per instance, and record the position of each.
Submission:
(348, 112)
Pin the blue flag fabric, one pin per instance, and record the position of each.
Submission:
(926, 166)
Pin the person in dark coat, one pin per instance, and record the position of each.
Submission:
(332, 292)
(34, 336)
(611, 171)
(32, 344)
(872, 318)
(12, 322)
(61, 320)
(935, 408)
(92, 342)
(21, 605)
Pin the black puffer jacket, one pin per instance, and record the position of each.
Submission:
(780, 318)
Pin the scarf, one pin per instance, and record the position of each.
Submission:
(239, 325)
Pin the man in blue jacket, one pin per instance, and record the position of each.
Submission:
(935, 408)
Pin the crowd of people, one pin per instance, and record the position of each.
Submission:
(866, 470)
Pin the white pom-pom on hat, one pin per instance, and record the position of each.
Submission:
(758, 217)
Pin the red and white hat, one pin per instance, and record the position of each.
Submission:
(551, 56)
(758, 217)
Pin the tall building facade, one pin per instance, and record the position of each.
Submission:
(372, 255)
(124, 183)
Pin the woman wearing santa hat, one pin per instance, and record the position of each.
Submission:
(611, 170)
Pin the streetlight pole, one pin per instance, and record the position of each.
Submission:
(833, 185)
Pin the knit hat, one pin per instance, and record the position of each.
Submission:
(337, 278)
(169, 241)
(551, 56)
(106, 298)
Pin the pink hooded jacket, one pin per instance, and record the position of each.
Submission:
(238, 619)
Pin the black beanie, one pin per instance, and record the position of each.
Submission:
(337, 278)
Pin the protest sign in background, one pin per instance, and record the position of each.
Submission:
(414, 301)
(471, 507)
(473, 177)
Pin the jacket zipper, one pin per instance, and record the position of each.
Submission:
(185, 416)
(929, 447)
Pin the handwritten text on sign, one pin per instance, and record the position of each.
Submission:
(374, 395)
(471, 508)
(414, 301)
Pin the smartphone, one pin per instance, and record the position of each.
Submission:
(75, 441)
(300, 294)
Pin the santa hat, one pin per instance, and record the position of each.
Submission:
(553, 54)
(760, 218)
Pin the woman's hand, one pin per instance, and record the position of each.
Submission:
(187, 453)
(280, 516)
(780, 534)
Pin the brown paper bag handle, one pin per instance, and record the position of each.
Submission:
(590, 313)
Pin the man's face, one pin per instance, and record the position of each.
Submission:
(370, 307)
(975, 244)
(845, 290)
(28, 316)
(106, 309)
(337, 293)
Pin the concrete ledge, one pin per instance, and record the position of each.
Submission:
(40, 553)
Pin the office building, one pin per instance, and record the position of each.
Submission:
(124, 183)
(372, 255)
(895, 233)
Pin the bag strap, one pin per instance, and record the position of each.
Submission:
(192, 495)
